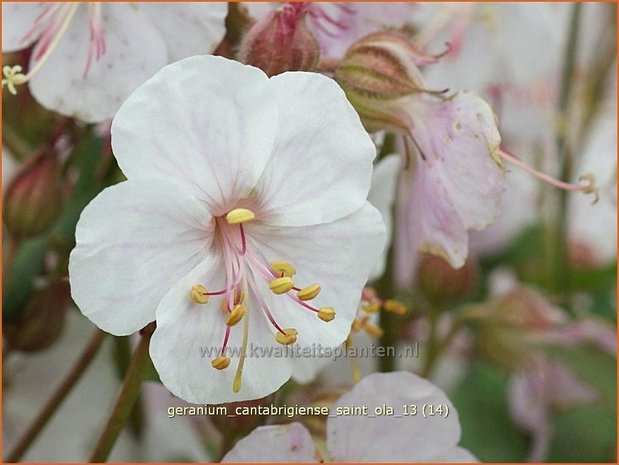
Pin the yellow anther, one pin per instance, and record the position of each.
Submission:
(198, 294)
(286, 339)
(281, 285)
(283, 268)
(358, 324)
(240, 215)
(221, 363)
(235, 315)
(326, 314)
(373, 330)
(371, 308)
(395, 306)
(309, 292)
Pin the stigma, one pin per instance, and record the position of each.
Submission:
(48, 30)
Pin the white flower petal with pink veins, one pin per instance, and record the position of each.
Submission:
(226, 263)
(457, 179)
(87, 59)
(368, 438)
(134, 241)
(338, 24)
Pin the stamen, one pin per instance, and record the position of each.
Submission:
(243, 240)
(309, 292)
(47, 44)
(372, 329)
(289, 336)
(358, 324)
(589, 187)
(371, 307)
(235, 315)
(282, 267)
(198, 294)
(221, 363)
(263, 305)
(326, 314)
(394, 306)
(281, 285)
(240, 215)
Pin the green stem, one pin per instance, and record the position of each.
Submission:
(58, 397)
(20, 149)
(558, 266)
(125, 400)
(432, 346)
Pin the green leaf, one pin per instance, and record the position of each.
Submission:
(590, 364)
(487, 428)
(586, 434)
(27, 265)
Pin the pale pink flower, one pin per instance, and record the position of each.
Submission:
(88, 58)
(368, 438)
(337, 25)
(454, 182)
(240, 188)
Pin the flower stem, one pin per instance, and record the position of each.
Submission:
(432, 346)
(58, 397)
(557, 258)
(126, 399)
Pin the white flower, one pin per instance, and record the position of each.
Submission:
(237, 184)
(88, 58)
(368, 438)
(381, 196)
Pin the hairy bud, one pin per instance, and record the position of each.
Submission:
(440, 282)
(41, 322)
(377, 72)
(33, 199)
(281, 41)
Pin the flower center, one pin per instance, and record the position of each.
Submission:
(277, 276)
(48, 30)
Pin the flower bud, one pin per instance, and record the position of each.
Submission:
(376, 73)
(33, 199)
(439, 282)
(281, 41)
(513, 325)
(41, 322)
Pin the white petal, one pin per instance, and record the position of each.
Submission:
(134, 52)
(278, 443)
(18, 19)
(339, 256)
(390, 438)
(188, 28)
(189, 336)
(134, 241)
(321, 165)
(206, 121)
(382, 196)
